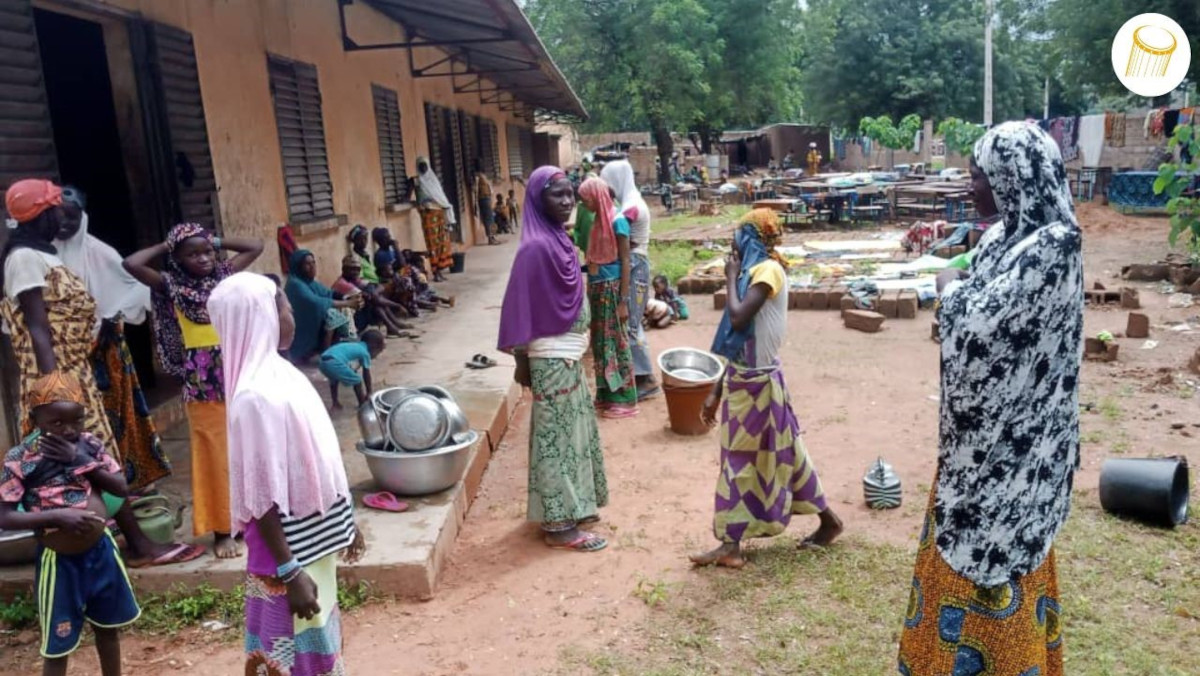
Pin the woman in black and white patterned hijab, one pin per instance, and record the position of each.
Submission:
(1011, 341)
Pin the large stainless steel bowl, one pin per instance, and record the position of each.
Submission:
(689, 367)
(418, 423)
(458, 420)
(386, 399)
(421, 473)
(17, 547)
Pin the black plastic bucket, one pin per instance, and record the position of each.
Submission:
(459, 262)
(1154, 490)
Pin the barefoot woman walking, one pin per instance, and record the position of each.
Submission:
(544, 324)
(766, 475)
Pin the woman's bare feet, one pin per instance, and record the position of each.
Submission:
(226, 547)
(728, 555)
(829, 530)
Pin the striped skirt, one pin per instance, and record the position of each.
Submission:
(279, 643)
(766, 475)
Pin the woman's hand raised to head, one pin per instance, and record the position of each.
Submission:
(733, 264)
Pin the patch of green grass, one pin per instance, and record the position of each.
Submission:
(19, 613)
(1130, 607)
(730, 214)
(182, 607)
(675, 259)
(652, 592)
(1110, 409)
(1092, 437)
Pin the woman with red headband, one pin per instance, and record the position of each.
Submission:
(52, 320)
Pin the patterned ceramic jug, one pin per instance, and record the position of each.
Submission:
(881, 486)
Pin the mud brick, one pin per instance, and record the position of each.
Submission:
(864, 320)
(847, 303)
(719, 300)
(907, 304)
(1138, 326)
(685, 285)
(1146, 273)
(1130, 300)
(1097, 350)
(1194, 364)
(834, 298)
(820, 299)
(1099, 287)
(800, 299)
(889, 304)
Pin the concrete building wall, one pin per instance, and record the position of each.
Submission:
(232, 41)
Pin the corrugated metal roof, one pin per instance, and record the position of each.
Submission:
(493, 37)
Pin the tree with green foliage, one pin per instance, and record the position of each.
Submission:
(1078, 39)
(1176, 180)
(960, 135)
(887, 135)
(675, 65)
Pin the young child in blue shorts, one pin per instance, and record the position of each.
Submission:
(56, 476)
(341, 364)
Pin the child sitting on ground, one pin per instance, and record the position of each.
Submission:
(342, 362)
(667, 307)
(377, 310)
(412, 265)
(56, 476)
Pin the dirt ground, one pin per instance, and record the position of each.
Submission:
(509, 605)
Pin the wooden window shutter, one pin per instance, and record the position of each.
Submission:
(515, 165)
(187, 134)
(526, 138)
(433, 127)
(391, 145)
(26, 137)
(491, 144)
(297, 96)
(469, 132)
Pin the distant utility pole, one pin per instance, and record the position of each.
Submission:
(987, 66)
(1046, 100)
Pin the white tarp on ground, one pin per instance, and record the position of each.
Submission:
(855, 245)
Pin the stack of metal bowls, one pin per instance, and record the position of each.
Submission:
(416, 441)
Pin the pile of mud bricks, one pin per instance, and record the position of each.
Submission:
(892, 304)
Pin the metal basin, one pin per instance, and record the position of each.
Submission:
(458, 419)
(387, 399)
(421, 473)
(17, 547)
(689, 367)
(418, 423)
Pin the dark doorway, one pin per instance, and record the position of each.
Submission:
(88, 143)
(75, 65)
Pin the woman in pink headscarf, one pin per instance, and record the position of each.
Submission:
(287, 486)
(544, 324)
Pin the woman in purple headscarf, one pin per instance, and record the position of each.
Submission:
(544, 324)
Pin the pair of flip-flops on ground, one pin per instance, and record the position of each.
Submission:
(385, 502)
(481, 361)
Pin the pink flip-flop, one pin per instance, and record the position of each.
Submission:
(384, 501)
(619, 411)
